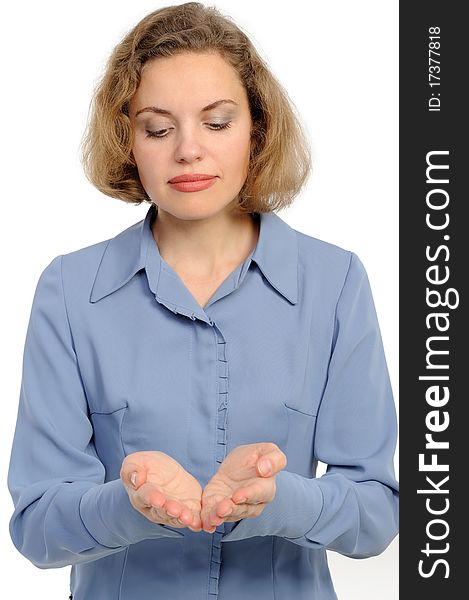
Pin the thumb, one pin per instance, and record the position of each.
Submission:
(133, 476)
(271, 463)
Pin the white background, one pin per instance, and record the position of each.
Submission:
(338, 61)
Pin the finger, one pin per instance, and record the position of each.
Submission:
(218, 514)
(153, 504)
(205, 516)
(271, 461)
(173, 508)
(263, 490)
(196, 524)
(159, 515)
(195, 530)
(225, 507)
(209, 527)
(209, 521)
(247, 511)
(182, 514)
(244, 511)
(186, 517)
(148, 495)
(220, 511)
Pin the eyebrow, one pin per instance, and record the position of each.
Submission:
(163, 111)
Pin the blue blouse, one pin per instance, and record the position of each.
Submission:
(119, 357)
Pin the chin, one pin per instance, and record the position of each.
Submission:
(188, 211)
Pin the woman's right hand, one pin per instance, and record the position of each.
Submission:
(164, 491)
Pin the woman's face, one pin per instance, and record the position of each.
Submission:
(190, 115)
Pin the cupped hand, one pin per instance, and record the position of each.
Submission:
(162, 490)
(241, 488)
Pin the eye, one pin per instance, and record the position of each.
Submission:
(161, 133)
(218, 126)
(157, 134)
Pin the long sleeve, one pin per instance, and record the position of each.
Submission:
(353, 507)
(64, 513)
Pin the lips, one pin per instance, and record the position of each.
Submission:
(191, 177)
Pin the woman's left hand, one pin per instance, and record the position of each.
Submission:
(241, 488)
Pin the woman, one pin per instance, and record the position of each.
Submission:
(182, 380)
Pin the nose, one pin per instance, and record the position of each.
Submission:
(189, 147)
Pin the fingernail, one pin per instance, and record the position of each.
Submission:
(133, 479)
(227, 512)
(265, 468)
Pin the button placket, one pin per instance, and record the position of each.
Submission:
(222, 409)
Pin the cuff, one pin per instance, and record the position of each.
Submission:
(295, 509)
(108, 515)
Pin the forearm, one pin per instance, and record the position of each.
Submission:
(78, 522)
(333, 512)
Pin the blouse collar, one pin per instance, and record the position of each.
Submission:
(134, 249)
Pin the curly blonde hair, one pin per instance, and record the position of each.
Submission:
(280, 161)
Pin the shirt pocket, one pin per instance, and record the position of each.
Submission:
(300, 441)
(107, 428)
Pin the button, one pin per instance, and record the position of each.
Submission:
(193, 317)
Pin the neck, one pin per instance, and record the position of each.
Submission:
(205, 249)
